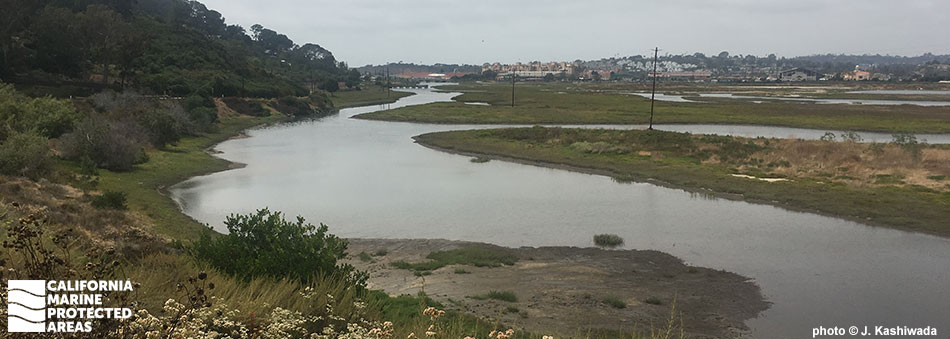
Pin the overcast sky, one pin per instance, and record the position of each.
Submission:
(364, 32)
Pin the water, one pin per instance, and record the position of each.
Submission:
(904, 92)
(831, 101)
(367, 179)
(758, 99)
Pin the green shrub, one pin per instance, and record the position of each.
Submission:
(294, 107)
(461, 271)
(614, 302)
(608, 240)
(110, 200)
(653, 301)
(25, 154)
(380, 252)
(498, 295)
(265, 244)
(364, 257)
(45, 116)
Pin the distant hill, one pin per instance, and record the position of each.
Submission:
(176, 47)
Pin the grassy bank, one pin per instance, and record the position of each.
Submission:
(368, 95)
(188, 158)
(592, 104)
(889, 185)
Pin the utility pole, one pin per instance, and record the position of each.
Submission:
(512, 88)
(653, 94)
(389, 84)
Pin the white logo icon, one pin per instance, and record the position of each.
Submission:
(26, 310)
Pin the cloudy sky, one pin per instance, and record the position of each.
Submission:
(364, 32)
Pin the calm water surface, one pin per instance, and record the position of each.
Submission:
(367, 179)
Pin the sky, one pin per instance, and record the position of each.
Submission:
(363, 32)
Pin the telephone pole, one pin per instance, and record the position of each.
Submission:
(512, 88)
(389, 84)
(653, 94)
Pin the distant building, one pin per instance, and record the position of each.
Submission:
(798, 74)
(856, 75)
(698, 75)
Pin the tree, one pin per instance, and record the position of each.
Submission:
(330, 85)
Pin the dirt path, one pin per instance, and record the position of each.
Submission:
(560, 289)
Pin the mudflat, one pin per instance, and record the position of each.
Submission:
(566, 290)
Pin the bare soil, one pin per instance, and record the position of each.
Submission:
(560, 290)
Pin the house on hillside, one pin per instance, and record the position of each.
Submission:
(798, 74)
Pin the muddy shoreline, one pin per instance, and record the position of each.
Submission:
(560, 290)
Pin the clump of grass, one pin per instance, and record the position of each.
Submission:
(653, 301)
(480, 160)
(614, 302)
(474, 256)
(380, 252)
(421, 273)
(512, 309)
(461, 271)
(498, 295)
(937, 177)
(110, 200)
(608, 240)
(364, 257)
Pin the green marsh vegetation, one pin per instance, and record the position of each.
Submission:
(570, 103)
(472, 256)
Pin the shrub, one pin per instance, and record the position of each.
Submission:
(246, 107)
(25, 154)
(114, 145)
(498, 295)
(45, 116)
(265, 244)
(614, 302)
(380, 252)
(110, 200)
(294, 107)
(653, 301)
(163, 126)
(608, 240)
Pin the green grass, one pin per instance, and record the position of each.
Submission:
(582, 104)
(892, 206)
(461, 271)
(365, 257)
(614, 302)
(498, 295)
(473, 256)
(369, 95)
(187, 158)
(608, 240)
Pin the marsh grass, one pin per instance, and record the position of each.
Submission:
(473, 256)
(497, 295)
(614, 302)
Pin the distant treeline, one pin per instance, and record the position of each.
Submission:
(174, 47)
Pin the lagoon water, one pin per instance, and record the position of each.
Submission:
(368, 179)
